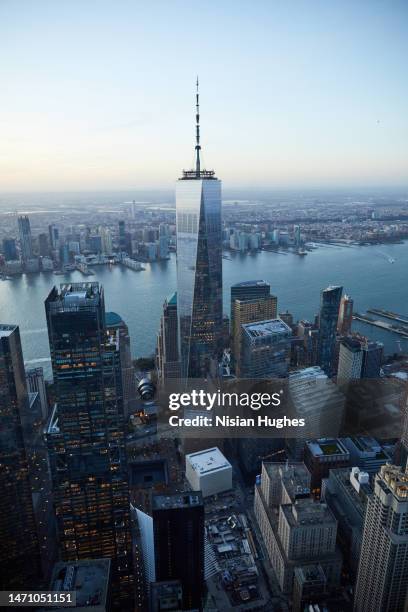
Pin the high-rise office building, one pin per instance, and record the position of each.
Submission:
(319, 401)
(106, 240)
(347, 491)
(43, 245)
(168, 364)
(9, 249)
(178, 524)
(403, 446)
(382, 580)
(350, 360)
(26, 241)
(328, 316)
(199, 266)
(19, 551)
(249, 311)
(54, 236)
(116, 326)
(86, 434)
(265, 349)
(359, 358)
(248, 290)
(373, 353)
(345, 315)
(122, 237)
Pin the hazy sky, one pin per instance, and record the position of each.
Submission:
(100, 95)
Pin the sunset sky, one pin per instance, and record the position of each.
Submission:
(100, 94)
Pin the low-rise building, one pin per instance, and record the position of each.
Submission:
(209, 471)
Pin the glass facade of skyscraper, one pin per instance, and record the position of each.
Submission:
(199, 271)
(19, 551)
(328, 317)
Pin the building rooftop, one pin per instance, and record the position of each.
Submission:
(327, 447)
(351, 344)
(88, 578)
(358, 495)
(368, 447)
(6, 330)
(172, 299)
(112, 318)
(307, 374)
(193, 175)
(269, 327)
(188, 499)
(312, 573)
(209, 460)
(251, 283)
(295, 477)
(307, 512)
(395, 479)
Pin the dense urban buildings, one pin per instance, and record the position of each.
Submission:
(251, 301)
(150, 522)
(296, 529)
(86, 435)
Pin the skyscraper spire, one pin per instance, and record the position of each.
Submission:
(197, 147)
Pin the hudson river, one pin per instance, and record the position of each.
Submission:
(366, 273)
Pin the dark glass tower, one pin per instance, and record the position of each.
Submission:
(86, 434)
(328, 317)
(168, 364)
(9, 249)
(199, 266)
(178, 525)
(19, 551)
(26, 242)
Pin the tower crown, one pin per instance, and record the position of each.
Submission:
(197, 173)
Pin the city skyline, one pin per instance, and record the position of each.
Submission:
(302, 96)
(149, 460)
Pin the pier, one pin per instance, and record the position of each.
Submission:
(402, 331)
(388, 315)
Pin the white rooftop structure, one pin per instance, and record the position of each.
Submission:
(209, 471)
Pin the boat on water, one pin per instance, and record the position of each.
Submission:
(301, 252)
(391, 260)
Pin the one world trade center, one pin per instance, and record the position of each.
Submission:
(199, 266)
